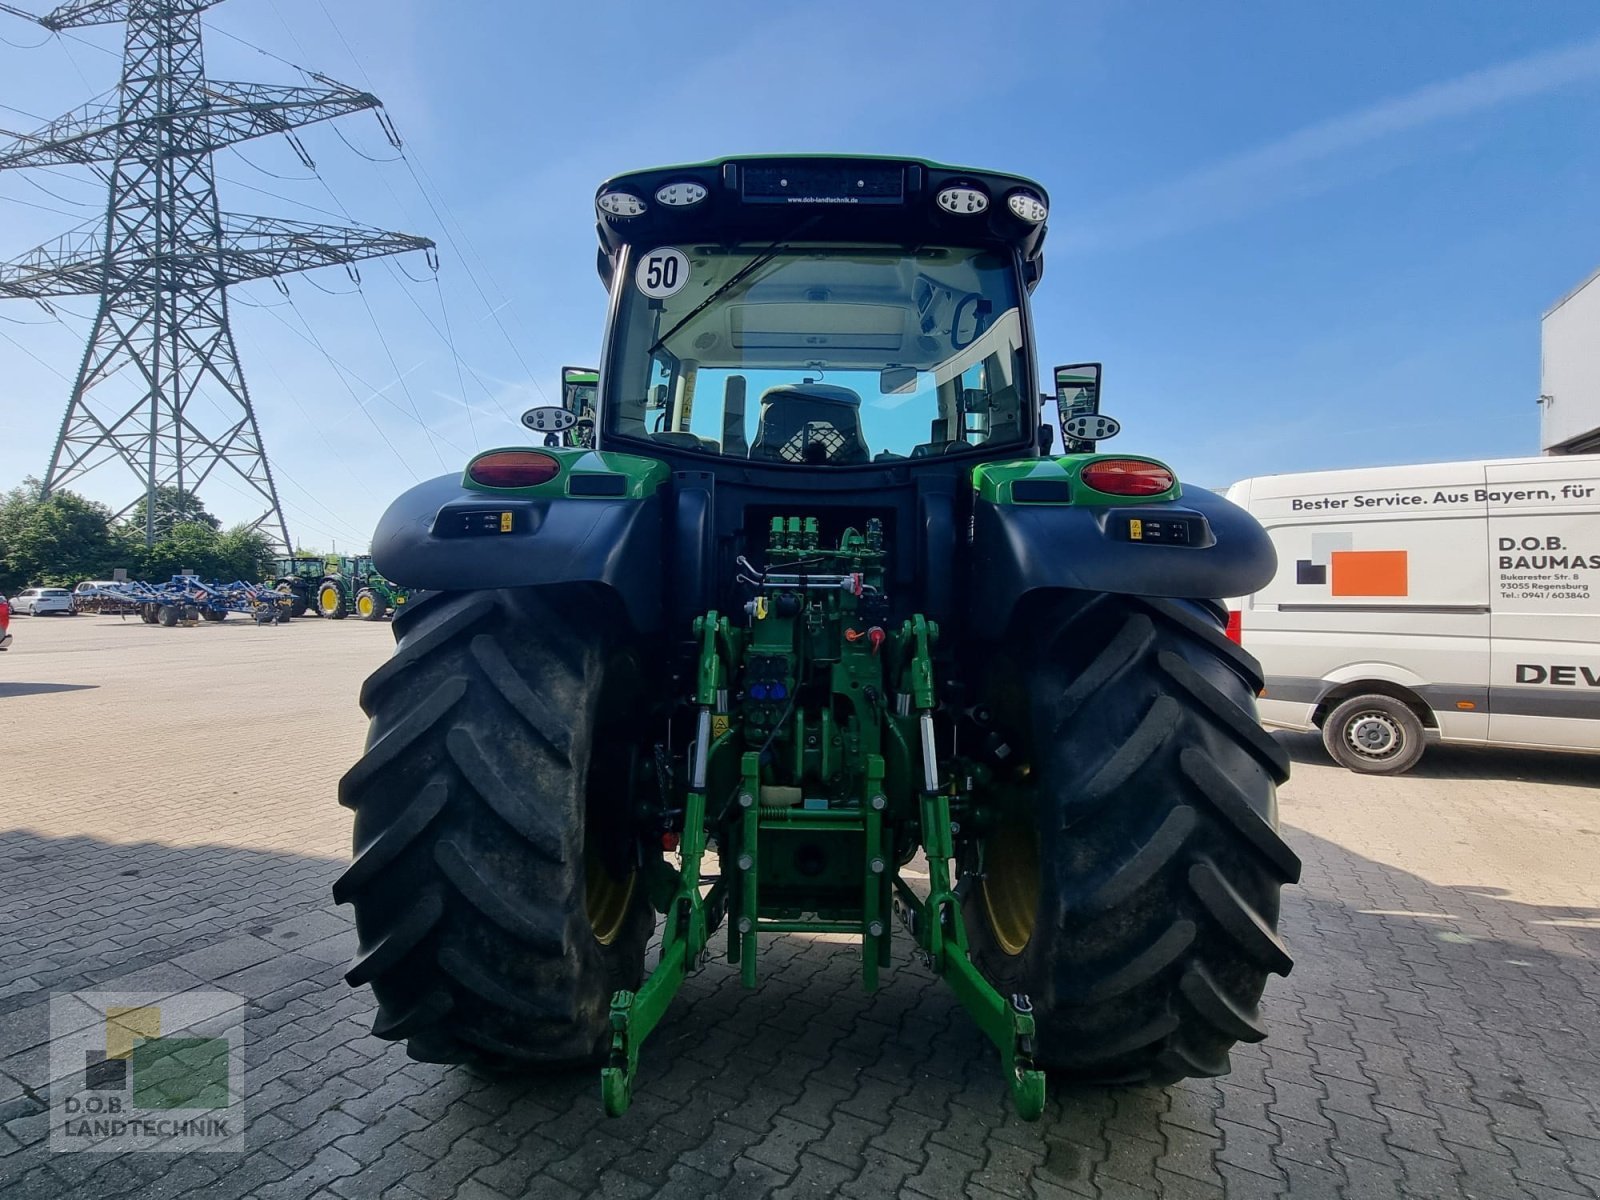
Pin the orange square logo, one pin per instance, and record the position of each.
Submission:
(1369, 573)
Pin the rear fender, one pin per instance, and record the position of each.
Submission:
(445, 534)
(1025, 547)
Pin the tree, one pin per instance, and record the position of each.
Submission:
(241, 553)
(57, 542)
(187, 546)
(174, 505)
(244, 552)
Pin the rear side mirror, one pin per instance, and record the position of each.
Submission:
(1078, 408)
(579, 389)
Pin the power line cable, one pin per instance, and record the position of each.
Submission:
(413, 168)
(249, 187)
(359, 153)
(310, 336)
(49, 208)
(35, 357)
(311, 421)
(461, 383)
(466, 263)
(404, 386)
(245, 158)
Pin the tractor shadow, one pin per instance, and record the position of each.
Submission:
(1457, 993)
(15, 688)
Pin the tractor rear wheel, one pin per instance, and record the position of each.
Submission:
(1134, 899)
(370, 605)
(330, 600)
(494, 886)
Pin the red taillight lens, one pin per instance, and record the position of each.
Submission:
(1128, 477)
(513, 468)
(1235, 629)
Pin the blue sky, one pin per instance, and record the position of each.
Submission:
(1300, 236)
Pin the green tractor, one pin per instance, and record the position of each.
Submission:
(357, 588)
(819, 600)
(297, 576)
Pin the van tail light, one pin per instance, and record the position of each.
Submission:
(513, 468)
(1128, 477)
(1235, 627)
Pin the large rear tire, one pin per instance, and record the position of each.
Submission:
(495, 894)
(370, 605)
(331, 600)
(1135, 898)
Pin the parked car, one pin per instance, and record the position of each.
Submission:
(36, 602)
(5, 624)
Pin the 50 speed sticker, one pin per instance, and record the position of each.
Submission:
(662, 272)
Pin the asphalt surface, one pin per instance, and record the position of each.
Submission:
(168, 823)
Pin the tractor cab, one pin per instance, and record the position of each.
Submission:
(309, 567)
(820, 313)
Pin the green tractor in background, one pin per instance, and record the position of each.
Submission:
(357, 588)
(297, 576)
(814, 594)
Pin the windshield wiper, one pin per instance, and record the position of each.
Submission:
(755, 264)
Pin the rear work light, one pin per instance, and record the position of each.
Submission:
(1235, 627)
(962, 200)
(680, 195)
(620, 204)
(1128, 477)
(1027, 207)
(513, 469)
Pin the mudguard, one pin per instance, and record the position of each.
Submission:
(441, 535)
(1020, 548)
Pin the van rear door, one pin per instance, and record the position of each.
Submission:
(1544, 564)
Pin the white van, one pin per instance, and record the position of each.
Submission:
(1454, 599)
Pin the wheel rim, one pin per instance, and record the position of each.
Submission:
(364, 606)
(606, 898)
(328, 599)
(1374, 734)
(1011, 885)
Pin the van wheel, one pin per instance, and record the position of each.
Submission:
(1375, 735)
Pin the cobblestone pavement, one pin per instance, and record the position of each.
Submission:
(167, 820)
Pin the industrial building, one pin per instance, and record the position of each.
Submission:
(1569, 373)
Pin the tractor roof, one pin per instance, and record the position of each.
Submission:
(810, 198)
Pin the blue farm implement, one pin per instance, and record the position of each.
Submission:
(186, 599)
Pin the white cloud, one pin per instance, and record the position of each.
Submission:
(1282, 169)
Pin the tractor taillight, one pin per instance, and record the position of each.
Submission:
(1235, 627)
(513, 468)
(1128, 477)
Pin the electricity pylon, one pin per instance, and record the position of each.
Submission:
(162, 263)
